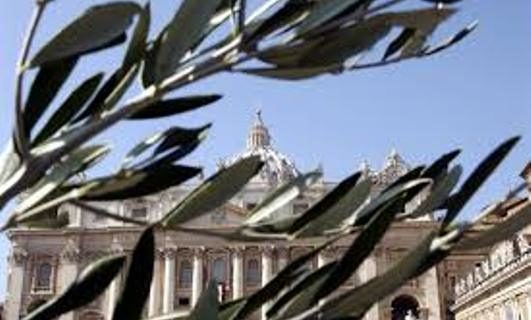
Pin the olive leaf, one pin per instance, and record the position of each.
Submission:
(208, 304)
(282, 196)
(476, 179)
(137, 285)
(325, 11)
(170, 107)
(45, 87)
(185, 29)
(77, 162)
(331, 201)
(215, 191)
(90, 284)
(335, 216)
(95, 28)
(70, 107)
(137, 47)
(360, 249)
(137, 183)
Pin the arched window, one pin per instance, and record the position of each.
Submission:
(252, 274)
(404, 306)
(44, 275)
(219, 270)
(185, 274)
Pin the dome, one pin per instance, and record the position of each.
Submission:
(278, 167)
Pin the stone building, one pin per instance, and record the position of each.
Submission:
(43, 262)
(499, 287)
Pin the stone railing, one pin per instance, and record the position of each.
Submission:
(506, 257)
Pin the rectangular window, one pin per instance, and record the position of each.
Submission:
(139, 213)
(183, 302)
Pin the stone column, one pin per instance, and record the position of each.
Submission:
(17, 263)
(169, 280)
(70, 259)
(267, 272)
(237, 272)
(431, 287)
(154, 294)
(197, 284)
(369, 270)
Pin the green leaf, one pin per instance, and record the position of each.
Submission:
(440, 165)
(438, 195)
(357, 301)
(282, 280)
(70, 107)
(291, 73)
(166, 140)
(398, 43)
(137, 46)
(476, 179)
(453, 39)
(215, 191)
(208, 304)
(282, 196)
(90, 284)
(335, 216)
(9, 161)
(185, 29)
(170, 107)
(41, 213)
(138, 183)
(330, 201)
(76, 162)
(300, 297)
(410, 188)
(345, 43)
(360, 249)
(96, 27)
(285, 17)
(108, 95)
(135, 292)
(44, 89)
(325, 11)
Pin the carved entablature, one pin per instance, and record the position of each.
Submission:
(502, 259)
(71, 253)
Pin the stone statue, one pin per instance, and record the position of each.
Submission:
(410, 316)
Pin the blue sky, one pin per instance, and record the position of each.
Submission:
(472, 96)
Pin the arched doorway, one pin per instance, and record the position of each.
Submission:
(405, 307)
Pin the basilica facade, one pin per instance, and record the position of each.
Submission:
(43, 262)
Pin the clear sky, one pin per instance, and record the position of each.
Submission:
(473, 96)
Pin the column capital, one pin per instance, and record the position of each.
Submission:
(237, 250)
(267, 250)
(18, 255)
(198, 251)
(169, 252)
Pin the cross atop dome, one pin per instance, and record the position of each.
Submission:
(259, 135)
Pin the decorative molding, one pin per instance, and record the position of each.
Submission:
(71, 253)
(18, 255)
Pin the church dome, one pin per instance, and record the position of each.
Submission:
(278, 167)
